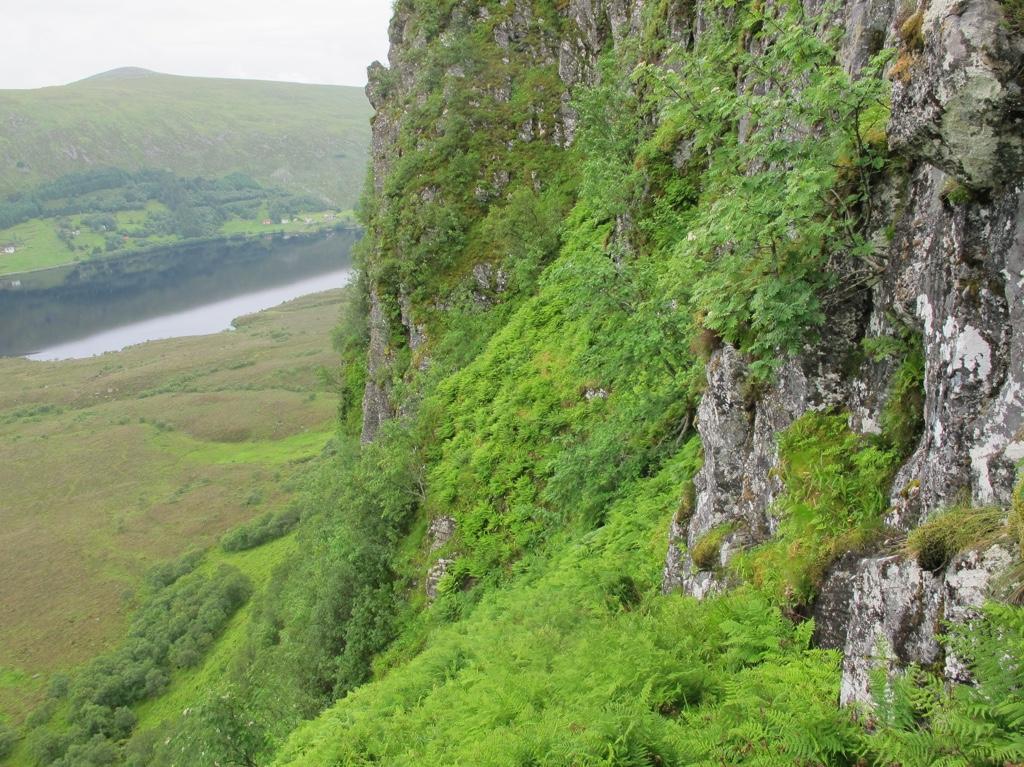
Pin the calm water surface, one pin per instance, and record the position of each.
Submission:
(195, 291)
(198, 321)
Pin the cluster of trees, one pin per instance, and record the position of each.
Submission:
(269, 527)
(196, 206)
(327, 613)
(181, 616)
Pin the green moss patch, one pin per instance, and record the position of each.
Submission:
(706, 552)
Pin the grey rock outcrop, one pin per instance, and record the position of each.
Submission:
(739, 427)
(894, 617)
(439, 535)
(377, 407)
(948, 277)
(897, 610)
(968, 582)
(524, 38)
(436, 572)
(731, 488)
(441, 532)
(385, 89)
(954, 274)
(869, 29)
(951, 268)
(959, 104)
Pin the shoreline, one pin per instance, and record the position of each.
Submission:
(34, 280)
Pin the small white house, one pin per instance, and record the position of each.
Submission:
(9, 249)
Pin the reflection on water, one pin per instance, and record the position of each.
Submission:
(200, 320)
(191, 290)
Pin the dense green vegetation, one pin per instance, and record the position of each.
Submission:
(554, 424)
(194, 206)
(177, 623)
(207, 433)
(309, 139)
(108, 211)
(269, 527)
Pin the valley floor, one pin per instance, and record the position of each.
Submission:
(114, 463)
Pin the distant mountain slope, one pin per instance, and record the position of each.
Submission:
(308, 138)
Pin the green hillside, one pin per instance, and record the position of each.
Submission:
(310, 139)
(207, 432)
(655, 336)
(108, 212)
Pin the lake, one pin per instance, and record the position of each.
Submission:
(190, 290)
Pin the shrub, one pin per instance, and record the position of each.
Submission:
(59, 686)
(8, 739)
(269, 527)
(622, 593)
(123, 723)
(163, 575)
(97, 751)
(752, 264)
(222, 728)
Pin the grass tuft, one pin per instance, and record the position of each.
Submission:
(707, 551)
(912, 31)
(1014, 11)
(935, 543)
(956, 193)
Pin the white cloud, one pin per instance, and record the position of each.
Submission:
(51, 42)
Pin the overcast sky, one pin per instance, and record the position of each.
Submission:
(52, 42)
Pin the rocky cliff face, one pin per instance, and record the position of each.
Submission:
(950, 269)
(953, 273)
(470, 89)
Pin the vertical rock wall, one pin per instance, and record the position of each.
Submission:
(523, 37)
(953, 271)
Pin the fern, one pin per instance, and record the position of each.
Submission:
(921, 722)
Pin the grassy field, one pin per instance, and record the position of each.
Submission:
(307, 138)
(114, 463)
(39, 247)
